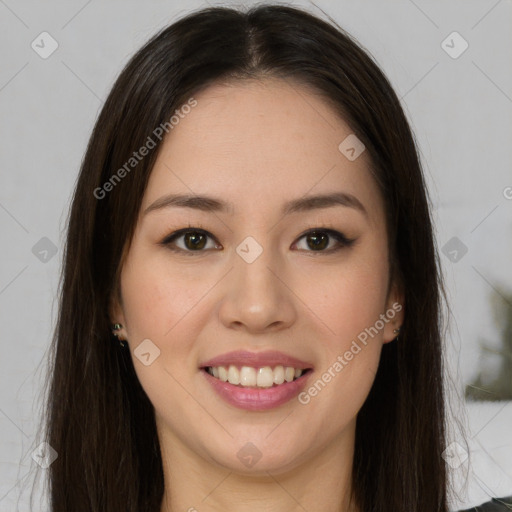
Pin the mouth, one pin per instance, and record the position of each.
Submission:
(253, 389)
(256, 381)
(256, 377)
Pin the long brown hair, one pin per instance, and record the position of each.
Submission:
(99, 419)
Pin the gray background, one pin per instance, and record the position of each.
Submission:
(460, 109)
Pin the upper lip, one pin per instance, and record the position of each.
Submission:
(256, 360)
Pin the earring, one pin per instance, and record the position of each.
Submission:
(396, 331)
(116, 327)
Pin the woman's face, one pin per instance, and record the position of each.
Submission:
(248, 277)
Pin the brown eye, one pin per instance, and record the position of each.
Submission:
(318, 240)
(192, 240)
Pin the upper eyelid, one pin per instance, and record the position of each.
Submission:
(180, 232)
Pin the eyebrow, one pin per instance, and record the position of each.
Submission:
(211, 204)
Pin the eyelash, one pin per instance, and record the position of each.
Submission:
(332, 233)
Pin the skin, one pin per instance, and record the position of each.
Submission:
(257, 144)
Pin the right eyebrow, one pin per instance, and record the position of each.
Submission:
(204, 203)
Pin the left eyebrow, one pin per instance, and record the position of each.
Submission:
(324, 201)
(212, 204)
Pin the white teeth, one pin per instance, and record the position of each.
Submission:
(233, 375)
(278, 375)
(223, 373)
(289, 373)
(263, 377)
(247, 377)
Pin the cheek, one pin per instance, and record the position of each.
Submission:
(163, 304)
(157, 293)
(349, 301)
(349, 297)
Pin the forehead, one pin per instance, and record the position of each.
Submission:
(260, 141)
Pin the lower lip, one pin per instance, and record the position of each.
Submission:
(257, 399)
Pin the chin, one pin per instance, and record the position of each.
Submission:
(259, 456)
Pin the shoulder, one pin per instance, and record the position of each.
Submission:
(495, 505)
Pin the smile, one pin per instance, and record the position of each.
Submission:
(247, 376)
(256, 381)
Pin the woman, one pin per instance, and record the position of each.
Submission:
(251, 224)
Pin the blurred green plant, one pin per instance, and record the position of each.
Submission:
(499, 385)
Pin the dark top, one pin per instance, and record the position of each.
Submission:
(495, 505)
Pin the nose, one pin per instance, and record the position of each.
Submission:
(257, 297)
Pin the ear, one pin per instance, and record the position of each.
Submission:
(116, 314)
(395, 312)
